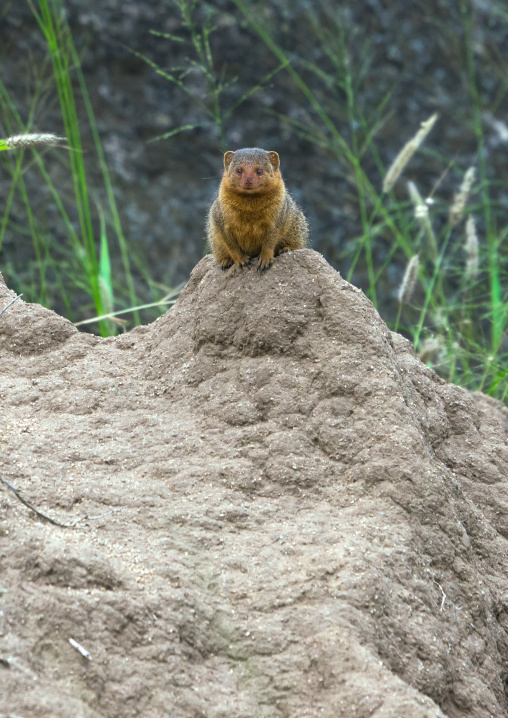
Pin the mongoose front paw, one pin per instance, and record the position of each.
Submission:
(226, 264)
(264, 263)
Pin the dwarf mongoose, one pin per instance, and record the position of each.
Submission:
(253, 214)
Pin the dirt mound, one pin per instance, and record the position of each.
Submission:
(284, 513)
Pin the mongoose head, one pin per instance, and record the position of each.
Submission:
(251, 171)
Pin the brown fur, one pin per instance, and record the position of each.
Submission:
(253, 215)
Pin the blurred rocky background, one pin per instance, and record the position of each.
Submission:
(375, 69)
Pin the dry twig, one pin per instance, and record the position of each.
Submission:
(80, 648)
(443, 594)
(17, 493)
(100, 516)
(8, 305)
(27, 503)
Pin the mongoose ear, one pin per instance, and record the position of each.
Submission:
(228, 157)
(274, 159)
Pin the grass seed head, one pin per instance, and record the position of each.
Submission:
(408, 283)
(471, 248)
(399, 163)
(33, 138)
(421, 212)
(460, 200)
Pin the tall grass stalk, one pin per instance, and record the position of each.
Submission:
(117, 225)
(496, 306)
(50, 20)
(164, 302)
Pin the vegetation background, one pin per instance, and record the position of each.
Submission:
(338, 89)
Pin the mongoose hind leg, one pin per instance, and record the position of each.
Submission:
(290, 243)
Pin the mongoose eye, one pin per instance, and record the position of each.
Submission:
(239, 170)
(259, 171)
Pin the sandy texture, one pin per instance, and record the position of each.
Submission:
(297, 517)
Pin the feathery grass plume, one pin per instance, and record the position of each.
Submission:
(407, 286)
(440, 318)
(432, 348)
(471, 248)
(422, 215)
(29, 140)
(398, 164)
(459, 201)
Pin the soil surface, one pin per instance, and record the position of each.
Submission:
(281, 513)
